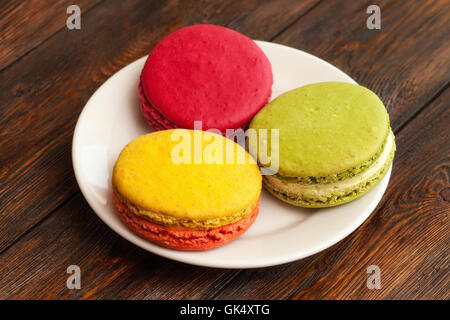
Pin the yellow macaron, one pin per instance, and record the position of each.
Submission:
(187, 179)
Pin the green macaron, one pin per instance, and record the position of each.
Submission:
(335, 143)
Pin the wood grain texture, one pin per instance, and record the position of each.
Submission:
(47, 225)
(25, 24)
(266, 20)
(41, 96)
(402, 62)
(112, 268)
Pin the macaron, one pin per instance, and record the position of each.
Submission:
(204, 73)
(185, 189)
(334, 143)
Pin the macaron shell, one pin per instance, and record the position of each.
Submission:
(208, 73)
(325, 128)
(146, 175)
(183, 239)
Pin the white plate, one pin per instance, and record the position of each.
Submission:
(281, 233)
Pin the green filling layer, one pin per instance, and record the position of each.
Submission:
(335, 197)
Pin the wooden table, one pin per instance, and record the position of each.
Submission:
(47, 73)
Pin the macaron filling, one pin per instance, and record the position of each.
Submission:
(327, 194)
(165, 219)
(338, 176)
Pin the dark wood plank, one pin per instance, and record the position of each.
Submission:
(111, 268)
(266, 20)
(26, 24)
(404, 62)
(407, 236)
(42, 99)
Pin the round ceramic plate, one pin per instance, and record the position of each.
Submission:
(281, 233)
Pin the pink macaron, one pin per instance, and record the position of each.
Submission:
(204, 73)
